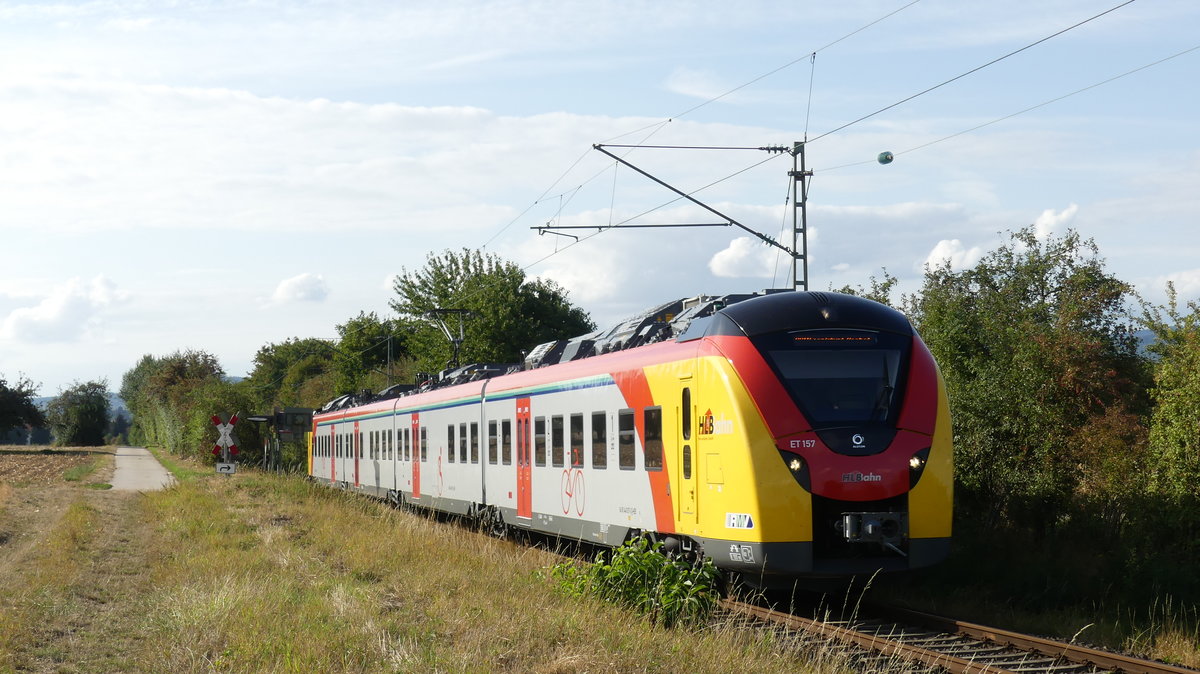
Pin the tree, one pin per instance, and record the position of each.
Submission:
(510, 314)
(1174, 446)
(118, 430)
(282, 369)
(880, 290)
(16, 404)
(366, 343)
(79, 415)
(1044, 376)
(158, 392)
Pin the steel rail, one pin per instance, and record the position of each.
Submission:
(1080, 654)
(870, 642)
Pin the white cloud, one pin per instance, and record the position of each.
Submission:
(695, 83)
(1049, 220)
(303, 288)
(71, 311)
(744, 258)
(960, 256)
(1187, 284)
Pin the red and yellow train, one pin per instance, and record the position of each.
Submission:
(782, 435)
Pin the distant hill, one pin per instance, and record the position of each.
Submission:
(1145, 338)
(115, 404)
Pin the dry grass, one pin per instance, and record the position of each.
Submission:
(270, 574)
(258, 573)
(45, 587)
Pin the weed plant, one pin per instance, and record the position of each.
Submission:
(77, 473)
(640, 576)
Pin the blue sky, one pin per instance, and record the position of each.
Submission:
(220, 175)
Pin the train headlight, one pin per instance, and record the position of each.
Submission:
(798, 467)
(916, 466)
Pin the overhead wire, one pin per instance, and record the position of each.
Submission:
(1023, 111)
(971, 71)
(900, 102)
(659, 125)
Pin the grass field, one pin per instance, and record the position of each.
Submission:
(258, 573)
(262, 573)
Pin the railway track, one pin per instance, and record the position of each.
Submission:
(894, 639)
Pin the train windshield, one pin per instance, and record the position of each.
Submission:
(840, 377)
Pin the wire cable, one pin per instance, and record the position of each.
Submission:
(971, 71)
(812, 73)
(660, 125)
(1025, 110)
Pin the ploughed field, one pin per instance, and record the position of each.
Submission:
(22, 466)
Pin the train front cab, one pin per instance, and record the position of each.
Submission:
(767, 493)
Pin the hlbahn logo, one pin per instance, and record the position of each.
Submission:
(861, 477)
(711, 426)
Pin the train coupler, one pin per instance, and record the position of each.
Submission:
(887, 528)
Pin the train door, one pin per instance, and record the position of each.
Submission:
(356, 447)
(686, 442)
(394, 452)
(416, 456)
(524, 461)
(333, 453)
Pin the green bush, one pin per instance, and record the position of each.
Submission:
(640, 576)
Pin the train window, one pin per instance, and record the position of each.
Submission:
(424, 445)
(577, 441)
(652, 417)
(539, 441)
(840, 377)
(407, 444)
(625, 435)
(462, 443)
(492, 441)
(450, 451)
(372, 444)
(687, 462)
(337, 446)
(556, 440)
(686, 413)
(506, 435)
(599, 440)
(474, 442)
